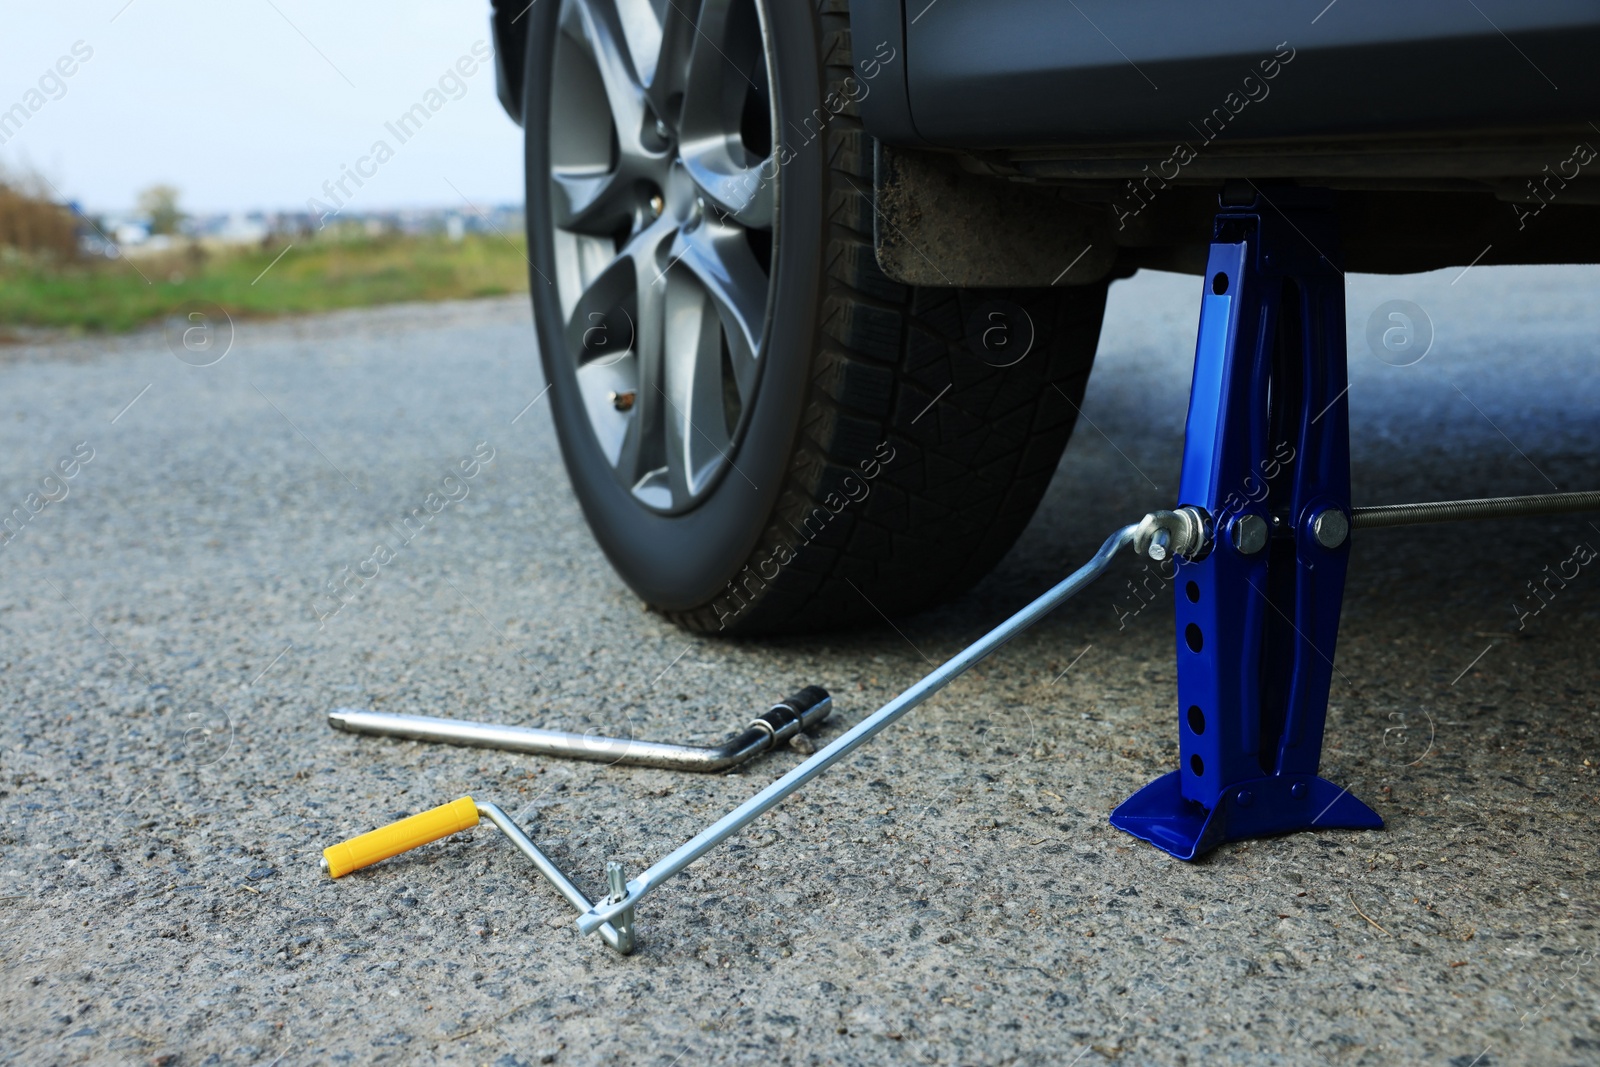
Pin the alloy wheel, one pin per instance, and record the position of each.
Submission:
(663, 194)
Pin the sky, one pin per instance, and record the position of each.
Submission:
(254, 104)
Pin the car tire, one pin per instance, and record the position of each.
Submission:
(877, 448)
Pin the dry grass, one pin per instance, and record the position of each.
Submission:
(30, 223)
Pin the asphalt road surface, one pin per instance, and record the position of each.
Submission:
(951, 895)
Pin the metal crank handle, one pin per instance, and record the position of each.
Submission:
(424, 827)
(858, 735)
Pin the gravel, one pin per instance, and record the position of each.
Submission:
(951, 895)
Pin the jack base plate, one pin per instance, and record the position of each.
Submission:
(1259, 807)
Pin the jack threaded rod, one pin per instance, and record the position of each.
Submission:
(1498, 507)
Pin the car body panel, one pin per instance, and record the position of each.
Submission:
(1009, 73)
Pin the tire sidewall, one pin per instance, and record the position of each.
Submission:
(680, 562)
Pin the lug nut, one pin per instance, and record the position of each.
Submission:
(623, 401)
(661, 130)
(1249, 534)
(657, 206)
(1330, 527)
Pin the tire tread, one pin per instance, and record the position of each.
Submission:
(974, 446)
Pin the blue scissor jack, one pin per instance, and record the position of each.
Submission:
(1266, 470)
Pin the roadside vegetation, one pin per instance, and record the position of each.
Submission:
(48, 279)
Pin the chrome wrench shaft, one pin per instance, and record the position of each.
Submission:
(799, 712)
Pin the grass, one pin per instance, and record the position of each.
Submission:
(312, 275)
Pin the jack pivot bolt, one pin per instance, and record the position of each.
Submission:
(1330, 527)
(1249, 534)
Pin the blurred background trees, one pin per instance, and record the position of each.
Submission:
(158, 205)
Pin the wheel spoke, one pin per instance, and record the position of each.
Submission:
(596, 204)
(696, 433)
(710, 59)
(718, 256)
(596, 26)
(666, 68)
(650, 414)
(641, 33)
(746, 194)
(725, 100)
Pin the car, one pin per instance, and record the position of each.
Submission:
(818, 285)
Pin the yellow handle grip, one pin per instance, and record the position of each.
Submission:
(402, 836)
